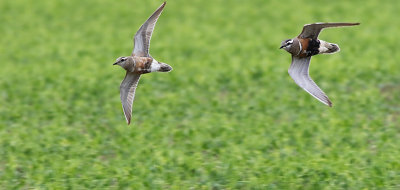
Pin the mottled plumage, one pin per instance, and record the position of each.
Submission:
(302, 48)
(140, 62)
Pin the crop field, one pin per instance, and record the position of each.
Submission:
(227, 117)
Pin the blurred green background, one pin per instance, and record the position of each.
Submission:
(227, 117)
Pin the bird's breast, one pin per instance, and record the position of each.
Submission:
(309, 47)
(304, 46)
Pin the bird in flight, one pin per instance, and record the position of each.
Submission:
(140, 62)
(302, 48)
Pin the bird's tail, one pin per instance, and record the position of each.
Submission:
(164, 67)
(327, 47)
(159, 67)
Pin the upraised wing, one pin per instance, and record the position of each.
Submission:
(313, 30)
(143, 35)
(127, 90)
(299, 72)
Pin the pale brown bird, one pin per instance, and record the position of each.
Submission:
(140, 62)
(302, 48)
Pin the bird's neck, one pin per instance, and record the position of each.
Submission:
(129, 64)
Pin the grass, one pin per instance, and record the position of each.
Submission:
(227, 117)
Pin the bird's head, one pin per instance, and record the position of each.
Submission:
(121, 61)
(286, 44)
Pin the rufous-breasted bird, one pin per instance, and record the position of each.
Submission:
(302, 48)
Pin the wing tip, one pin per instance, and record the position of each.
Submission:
(328, 101)
(344, 23)
(128, 119)
(324, 100)
(353, 24)
(127, 114)
(162, 6)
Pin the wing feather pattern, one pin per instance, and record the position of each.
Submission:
(127, 90)
(299, 72)
(313, 30)
(143, 35)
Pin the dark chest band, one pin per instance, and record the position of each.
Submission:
(313, 47)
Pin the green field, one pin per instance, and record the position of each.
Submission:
(227, 117)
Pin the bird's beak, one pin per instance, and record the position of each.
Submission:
(115, 63)
(281, 47)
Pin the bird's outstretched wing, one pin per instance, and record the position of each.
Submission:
(127, 90)
(313, 30)
(143, 35)
(299, 72)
